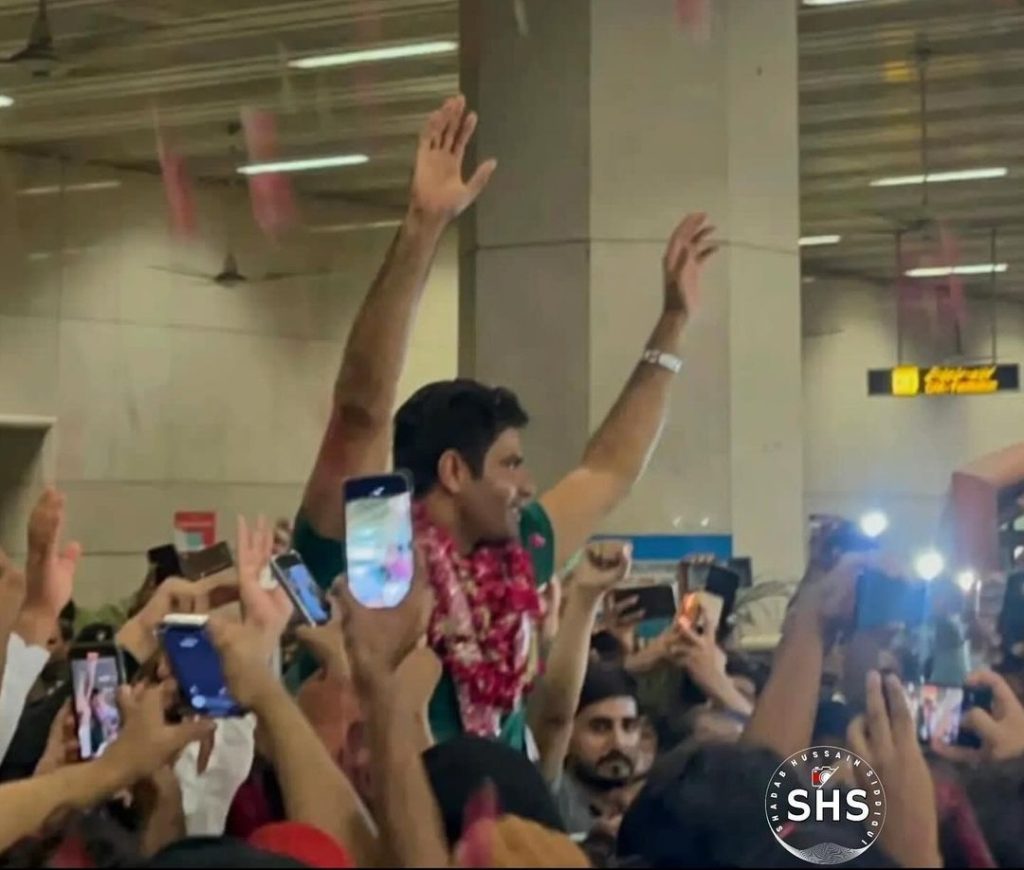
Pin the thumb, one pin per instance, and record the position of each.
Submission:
(483, 174)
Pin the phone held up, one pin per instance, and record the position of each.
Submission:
(196, 666)
(96, 672)
(884, 601)
(293, 575)
(938, 711)
(379, 538)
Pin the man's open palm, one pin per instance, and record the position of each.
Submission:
(50, 568)
(438, 189)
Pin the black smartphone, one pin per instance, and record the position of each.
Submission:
(293, 575)
(938, 711)
(206, 563)
(96, 672)
(379, 538)
(883, 600)
(165, 562)
(196, 666)
(724, 583)
(657, 601)
(1011, 618)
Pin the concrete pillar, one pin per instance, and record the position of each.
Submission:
(609, 122)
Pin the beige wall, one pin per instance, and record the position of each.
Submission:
(172, 394)
(897, 454)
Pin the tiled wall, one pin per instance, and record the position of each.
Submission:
(171, 393)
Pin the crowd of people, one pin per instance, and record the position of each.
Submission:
(507, 711)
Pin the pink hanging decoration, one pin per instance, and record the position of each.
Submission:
(694, 17)
(177, 187)
(273, 201)
(955, 298)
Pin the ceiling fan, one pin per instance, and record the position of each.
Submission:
(231, 276)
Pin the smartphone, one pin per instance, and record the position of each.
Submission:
(883, 601)
(196, 666)
(846, 536)
(1011, 618)
(96, 672)
(378, 538)
(938, 710)
(724, 583)
(656, 601)
(206, 563)
(293, 575)
(165, 561)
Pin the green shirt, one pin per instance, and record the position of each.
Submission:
(325, 559)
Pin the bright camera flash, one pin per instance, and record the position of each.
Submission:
(929, 564)
(874, 523)
(966, 580)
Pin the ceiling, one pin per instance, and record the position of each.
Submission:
(859, 120)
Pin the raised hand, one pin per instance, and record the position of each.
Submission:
(244, 659)
(1001, 732)
(12, 595)
(688, 249)
(885, 737)
(50, 567)
(438, 190)
(604, 565)
(147, 742)
(378, 639)
(268, 610)
(327, 644)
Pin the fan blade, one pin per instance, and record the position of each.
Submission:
(184, 273)
(273, 277)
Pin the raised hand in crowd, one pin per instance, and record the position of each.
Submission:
(49, 569)
(61, 743)
(145, 744)
(552, 708)
(700, 656)
(314, 789)
(326, 643)
(885, 736)
(266, 609)
(619, 618)
(1001, 732)
(12, 595)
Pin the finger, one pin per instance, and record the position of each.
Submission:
(483, 174)
(431, 129)
(453, 120)
(466, 131)
(127, 702)
(701, 239)
(194, 731)
(877, 717)
(857, 740)
(624, 605)
(243, 535)
(687, 635)
(1003, 698)
(959, 754)
(681, 238)
(981, 723)
(903, 729)
(706, 253)
(633, 618)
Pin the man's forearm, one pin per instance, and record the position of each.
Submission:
(783, 718)
(553, 708)
(625, 440)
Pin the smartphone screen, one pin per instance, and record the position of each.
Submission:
(206, 563)
(938, 710)
(95, 676)
(378, 539)
(197, 669)
(1011, 617)
(293, 575)
(165, 561)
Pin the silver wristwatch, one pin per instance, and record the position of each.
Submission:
(666, 360)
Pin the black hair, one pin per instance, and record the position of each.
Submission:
(96, 632)
(606, 680)
(461, 415)
(739, 664)
(460, 767)
(704, 807)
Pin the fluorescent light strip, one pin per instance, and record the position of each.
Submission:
(946, 271)
(304, 165)
(354, 227)
(84, 187)
(814, 241)
(369, 55)
(829, 2)
(5, 101)
(942, 177)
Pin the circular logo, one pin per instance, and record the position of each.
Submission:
(825, 805)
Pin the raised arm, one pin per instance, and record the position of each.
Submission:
(358, 436)
(618, 452)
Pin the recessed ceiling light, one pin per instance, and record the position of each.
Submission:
(829, 2)
(305, 165)
(369, 55)
(942, 177)
(83, 187)
(5, 101)
(814, 241)
(946, 271)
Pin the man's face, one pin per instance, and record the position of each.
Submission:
(605, 741)
(492, 504)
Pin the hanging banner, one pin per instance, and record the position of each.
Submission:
(972, 380)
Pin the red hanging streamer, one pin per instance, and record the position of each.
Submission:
(178, 190)
(273, 201)
(694, 16)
